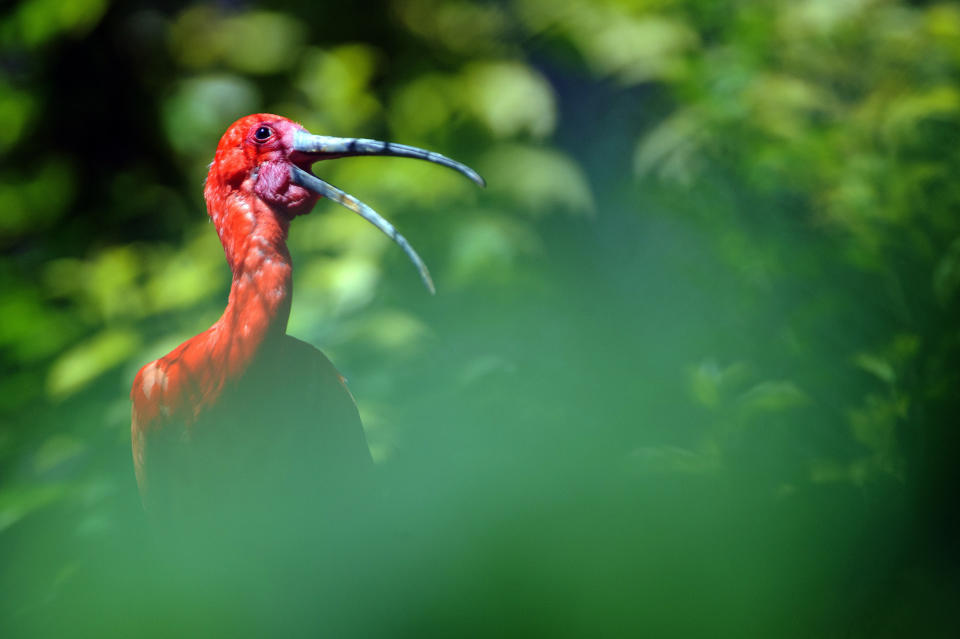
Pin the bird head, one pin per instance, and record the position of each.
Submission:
(270, 157)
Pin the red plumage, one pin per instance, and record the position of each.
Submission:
(242, 413)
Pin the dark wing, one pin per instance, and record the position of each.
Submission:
(283, 443)
(321, 409)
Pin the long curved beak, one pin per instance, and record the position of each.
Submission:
(323, 147)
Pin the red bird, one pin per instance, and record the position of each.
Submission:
(243, 415)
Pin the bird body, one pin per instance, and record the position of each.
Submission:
(242, 415)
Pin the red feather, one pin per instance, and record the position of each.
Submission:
(195, 434)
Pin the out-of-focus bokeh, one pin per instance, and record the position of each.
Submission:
(693, 368)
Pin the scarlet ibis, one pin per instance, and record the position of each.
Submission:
(244, 415)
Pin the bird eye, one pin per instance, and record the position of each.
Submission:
(263, 134)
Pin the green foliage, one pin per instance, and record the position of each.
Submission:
(694, 349)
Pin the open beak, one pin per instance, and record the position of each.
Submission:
(323, 147)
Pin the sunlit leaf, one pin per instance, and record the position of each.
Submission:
(35, 22)
(637, 49)
(671, 149)
(201, 108)
(83, 363)
(906, 112)
(423, 106)
(261, 41)
(248, 41)
(633, 45)
(331, 286)
(467, 27)
(188, 276)
(392, 330)
(538, 180)
(110, 282)
(820, 16)
(510, 99)
(784, 105)
(337, 83)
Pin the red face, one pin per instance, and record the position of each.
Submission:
(256, 153)
(268, 157)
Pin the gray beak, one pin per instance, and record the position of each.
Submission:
(322, 147)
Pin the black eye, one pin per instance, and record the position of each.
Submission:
(263, 134)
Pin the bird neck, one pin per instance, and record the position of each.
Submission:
(190, 378)
(254, 240)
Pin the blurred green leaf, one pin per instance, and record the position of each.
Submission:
(906, 113)
(874, 425)
(36, 22)
(187, 276)
(250, 42)
(422, 106)
(773, 397)
(18, 501)
(510, 98)
(485, 247)
(672, 148)
(55, 451)
(470, 28)
(337, 83)
(33, 203)
(946, 278)
(194, 115)
(632, 43)
(261, 41)
(710, 384)
(877, 367)
(785, 106)
(537, 180)
(29, 331)
(86, 361)
(390, 330)
(335, 286)
(16, 109)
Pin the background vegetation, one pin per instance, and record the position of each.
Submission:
(692, 367)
